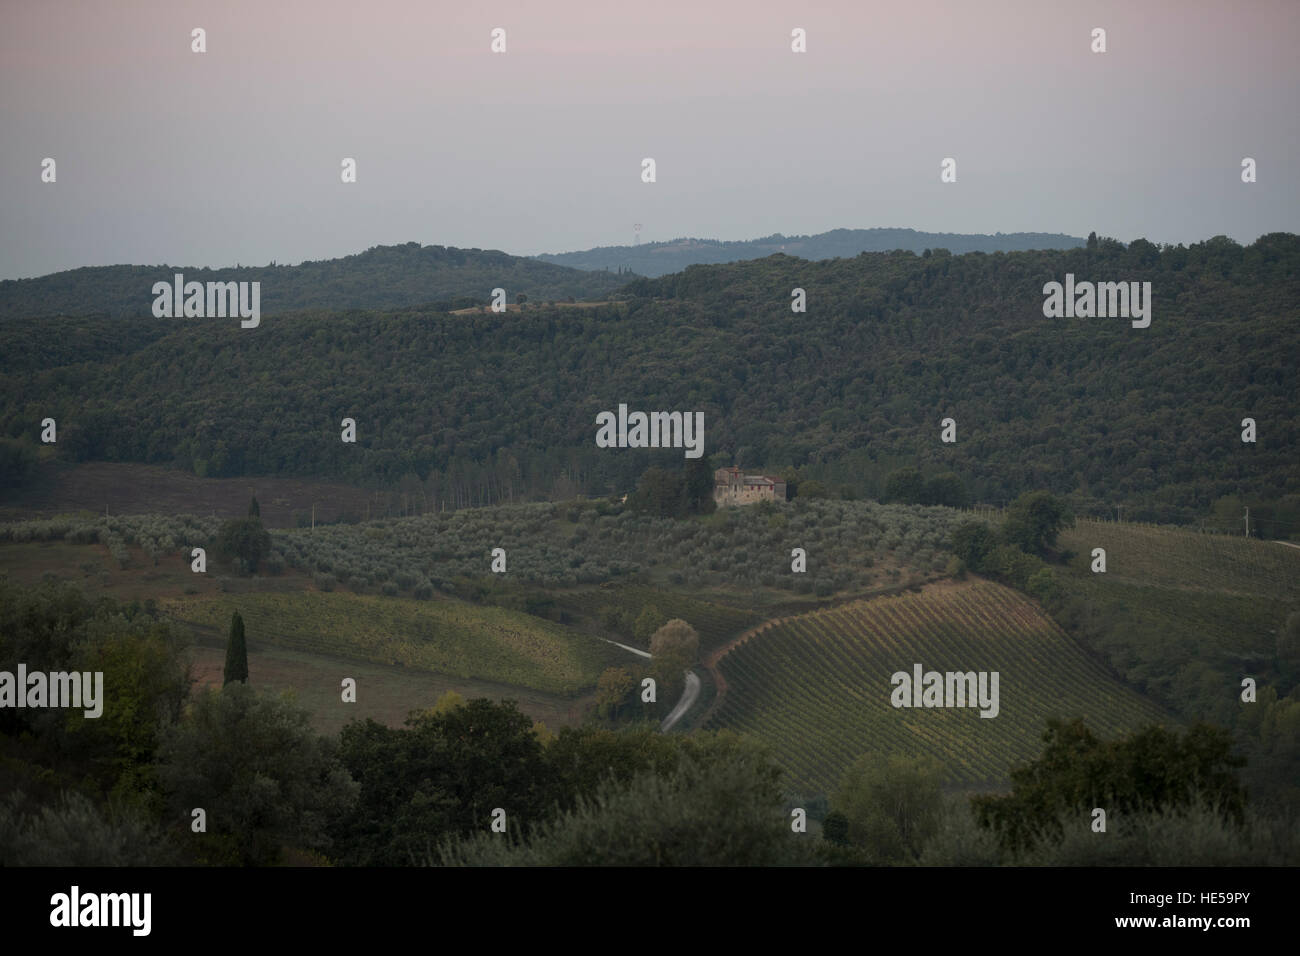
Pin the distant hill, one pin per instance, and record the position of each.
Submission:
(661, 258)
(383, 277)
(480, 408)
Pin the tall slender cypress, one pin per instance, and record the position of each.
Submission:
(236, 652)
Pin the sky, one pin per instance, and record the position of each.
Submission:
(164, 155)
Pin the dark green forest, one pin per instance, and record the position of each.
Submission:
(474, 409)
(661, 258)
(383, 277)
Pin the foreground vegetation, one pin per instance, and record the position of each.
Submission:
(122, 788)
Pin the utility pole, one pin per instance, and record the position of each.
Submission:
(313, 516)
(1247, 522)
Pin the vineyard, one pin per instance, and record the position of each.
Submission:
(447, 637)
(816, 687)
(1178, 558)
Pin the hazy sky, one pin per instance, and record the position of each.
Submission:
(233, 155)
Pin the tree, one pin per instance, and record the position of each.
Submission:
(582, 758)
(1033, 521)
(698, 483)
(265, 779)
(254, 510)
(973, 541)
(441, 776)
(1150, 770)
(791, 478)
(905, 487)
(812, 488)
(673, 649)
(711, 809)
(945, 489)
(1009, 564)
(647, 622)
(449, 701)
(676, 637)
(614, 690)
(660, 492)
(835, 828)
(892, 803)
(244, 539)
(1288, 645)
(145, 666)
(1043, 585)
(236, 652)
(17, 462)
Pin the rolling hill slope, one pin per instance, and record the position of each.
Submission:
(383, 277)
(816, 687)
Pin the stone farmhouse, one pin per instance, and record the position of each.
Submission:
(730, 487)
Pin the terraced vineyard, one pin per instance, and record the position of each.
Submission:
(1176, 558)
(816, 687)
(448, 637)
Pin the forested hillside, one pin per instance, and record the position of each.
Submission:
(660, 258)
(479, 408)
(383, 277)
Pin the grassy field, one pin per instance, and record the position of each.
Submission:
(93, 569)
(445, 637)
(1183, 615)
(305, 641)
(1186, 560)
(816, 687)
(385, 693)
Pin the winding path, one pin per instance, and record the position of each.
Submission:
(690, 693)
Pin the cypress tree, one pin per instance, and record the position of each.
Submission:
(253, 510)
(236, 652)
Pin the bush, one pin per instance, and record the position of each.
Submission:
(721, 812)
(75, 832)
(1012, 566)
(893, 805)
(1199, 834)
